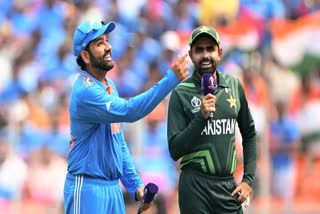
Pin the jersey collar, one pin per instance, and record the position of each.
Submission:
(222, 81)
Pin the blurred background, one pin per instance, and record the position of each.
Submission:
(272, 46)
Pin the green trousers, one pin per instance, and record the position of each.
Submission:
(205, 194)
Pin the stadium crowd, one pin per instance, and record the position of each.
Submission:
(38, 69)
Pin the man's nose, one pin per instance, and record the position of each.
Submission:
(108, 47)
(205, 54)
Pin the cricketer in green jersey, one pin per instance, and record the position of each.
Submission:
(205, 147)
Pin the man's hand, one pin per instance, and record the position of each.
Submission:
(208, 104)
(243, 190)
(143, 206)
(180, 67)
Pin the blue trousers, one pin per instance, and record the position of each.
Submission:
(90, 195)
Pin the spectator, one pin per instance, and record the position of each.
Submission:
(284, 141)
(13, 172)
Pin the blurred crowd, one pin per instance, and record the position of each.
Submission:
(38, 70)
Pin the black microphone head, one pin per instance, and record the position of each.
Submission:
(208, 83)
(150, 190)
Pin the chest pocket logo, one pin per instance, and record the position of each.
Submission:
(195, 103)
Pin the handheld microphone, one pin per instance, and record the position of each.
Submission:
(208, 85)
(150, 191)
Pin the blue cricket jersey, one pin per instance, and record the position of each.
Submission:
(98, 148)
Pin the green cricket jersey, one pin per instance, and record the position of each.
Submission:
(209, 145)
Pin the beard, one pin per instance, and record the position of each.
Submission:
(200, 70)
(101, 63)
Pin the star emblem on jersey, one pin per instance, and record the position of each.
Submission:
(232, 101)
(204, 29)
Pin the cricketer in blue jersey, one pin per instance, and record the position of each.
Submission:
(99, 157)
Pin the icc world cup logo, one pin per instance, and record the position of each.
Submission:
(211, 83)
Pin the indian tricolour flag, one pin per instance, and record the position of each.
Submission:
(242, 35)
(294, 41)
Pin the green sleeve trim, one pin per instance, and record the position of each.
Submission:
(190, 85)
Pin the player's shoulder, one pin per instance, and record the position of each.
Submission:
(186, 84)
(228, 79)
(83, 85)
(87, 82)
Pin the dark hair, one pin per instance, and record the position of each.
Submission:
(80, 61)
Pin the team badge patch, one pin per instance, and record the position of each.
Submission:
(232, 101)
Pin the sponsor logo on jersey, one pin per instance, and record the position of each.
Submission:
(219, 127)
(195, 103)
(108, 104)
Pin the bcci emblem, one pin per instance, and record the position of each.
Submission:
(196, 103)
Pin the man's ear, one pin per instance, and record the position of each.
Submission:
(85, 56)
(190, 54)
(220, 52)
